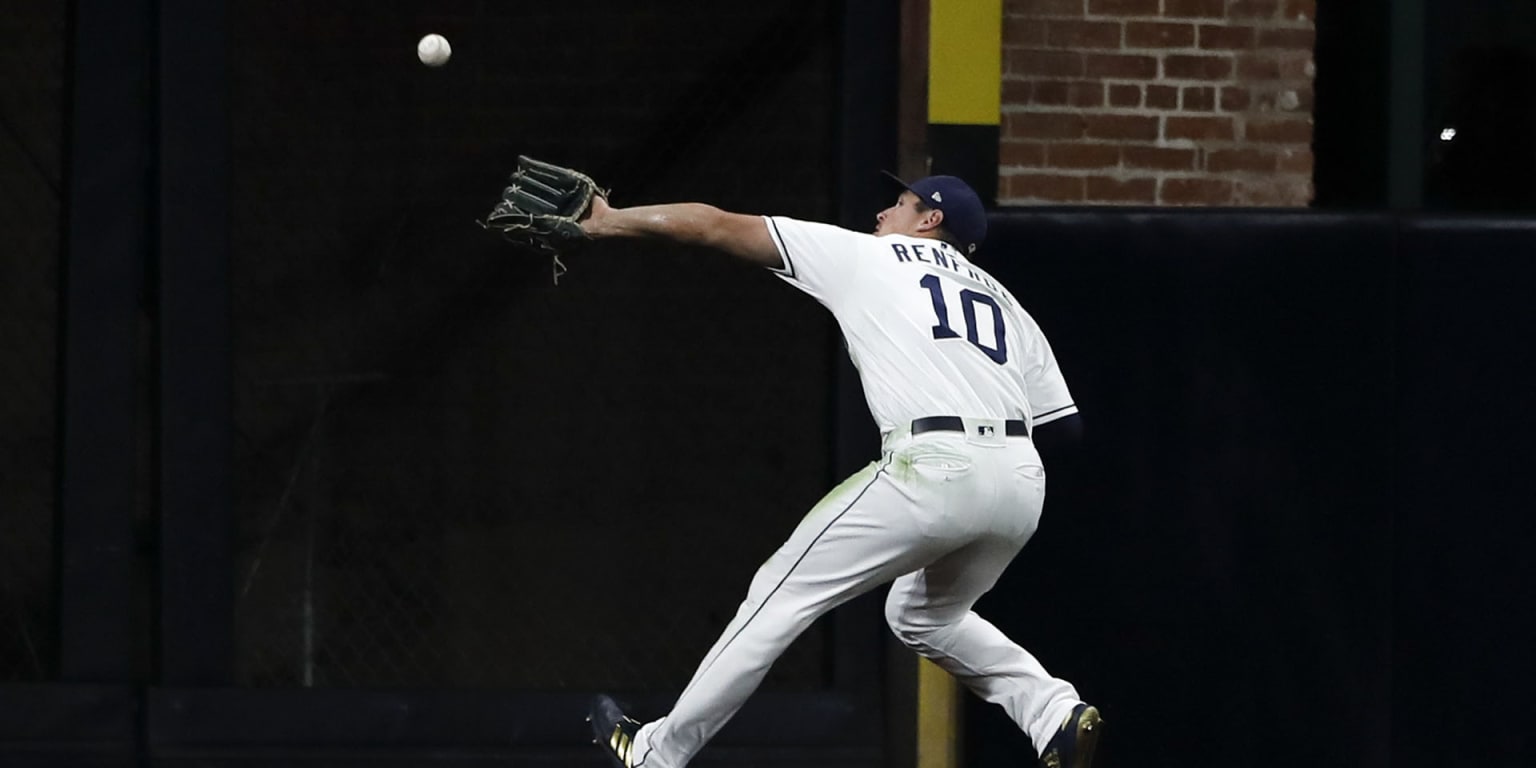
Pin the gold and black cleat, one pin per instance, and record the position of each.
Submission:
(1075, 740)
(613, 731)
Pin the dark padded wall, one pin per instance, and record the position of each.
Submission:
(33, 94)
(451, 471)
(1466, 583)
(1302, 496)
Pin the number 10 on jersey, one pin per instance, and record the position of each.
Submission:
(995, 347)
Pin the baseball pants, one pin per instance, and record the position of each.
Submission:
(940, 515)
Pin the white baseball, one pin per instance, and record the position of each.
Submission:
(433, 50)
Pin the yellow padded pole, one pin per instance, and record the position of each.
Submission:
(965, 60)
(938, 717)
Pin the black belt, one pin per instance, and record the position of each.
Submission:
(1014, 427)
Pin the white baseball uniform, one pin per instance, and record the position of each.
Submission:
(940, 514)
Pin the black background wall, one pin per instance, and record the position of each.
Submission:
(1295, 532)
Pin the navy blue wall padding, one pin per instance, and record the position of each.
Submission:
(1298, 529)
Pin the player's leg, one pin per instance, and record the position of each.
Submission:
(930, 610)
(858, 537)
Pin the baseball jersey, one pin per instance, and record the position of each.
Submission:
(930, 333)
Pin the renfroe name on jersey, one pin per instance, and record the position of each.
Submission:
(939, 255)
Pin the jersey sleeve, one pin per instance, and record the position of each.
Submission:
(820, 259)
(1044, 385)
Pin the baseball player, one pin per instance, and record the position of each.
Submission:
(958, 377)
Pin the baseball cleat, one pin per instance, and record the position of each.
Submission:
(1075, 740)
(613, 731)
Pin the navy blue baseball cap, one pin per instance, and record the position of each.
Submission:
(964, 215)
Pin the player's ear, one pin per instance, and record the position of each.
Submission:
(932, 220)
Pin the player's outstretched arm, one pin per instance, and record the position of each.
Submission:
(743, 236)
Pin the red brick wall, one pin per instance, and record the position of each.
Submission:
(1157, 102)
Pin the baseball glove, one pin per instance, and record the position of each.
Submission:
(542, 208)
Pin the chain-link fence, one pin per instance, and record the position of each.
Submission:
(451, 471)
(31, 172)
